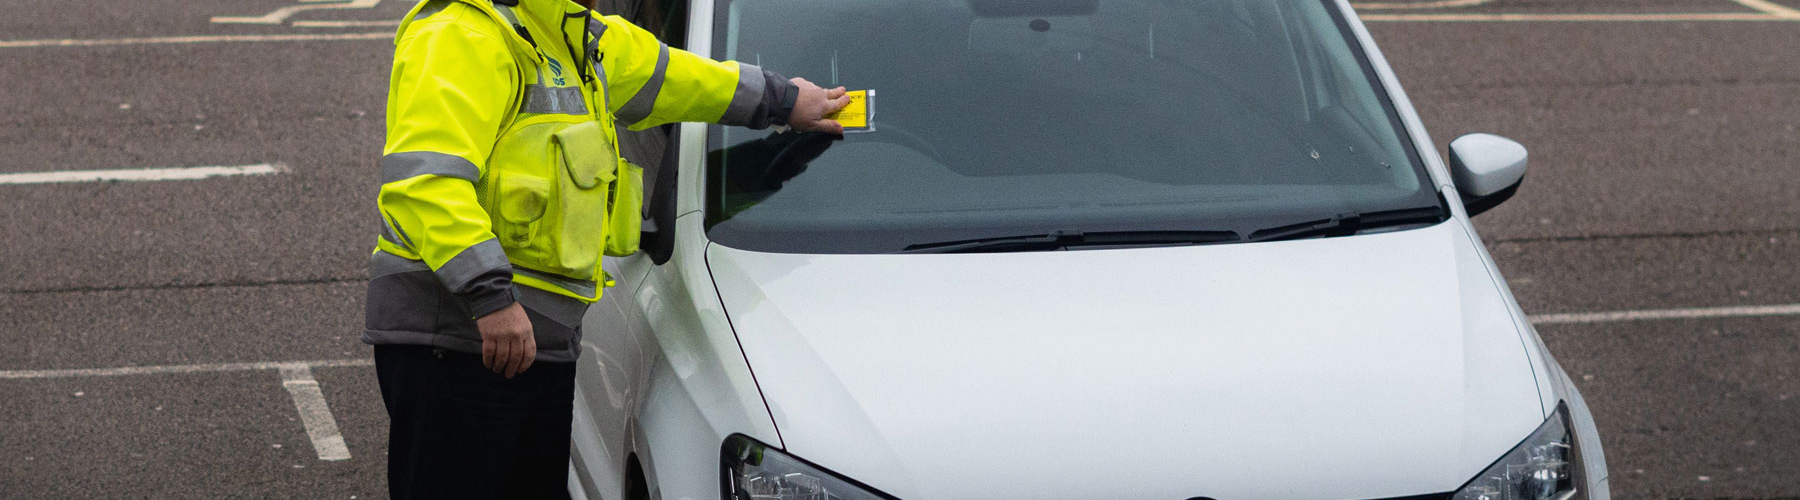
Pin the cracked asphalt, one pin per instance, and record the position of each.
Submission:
(1664, 174)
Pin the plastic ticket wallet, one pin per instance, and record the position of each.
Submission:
(859, 115)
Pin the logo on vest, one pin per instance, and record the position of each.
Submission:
(556, 71)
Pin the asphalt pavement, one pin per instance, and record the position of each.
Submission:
(161, 337)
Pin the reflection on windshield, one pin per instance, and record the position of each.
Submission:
(1010, 117)
(763, 166)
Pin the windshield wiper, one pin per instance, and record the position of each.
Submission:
(1061, 239)
(1349, 223)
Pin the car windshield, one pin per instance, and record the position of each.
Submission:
(1003, 118)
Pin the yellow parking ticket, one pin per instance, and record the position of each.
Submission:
(859, 115)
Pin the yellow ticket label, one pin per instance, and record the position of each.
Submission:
(859, 114)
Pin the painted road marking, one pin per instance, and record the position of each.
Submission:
(1652, 314)
(1765, 11)
(176, 40)
(140, 174)
(296, 377)
(1439, 4)
(281, 14)
(321, 427)
(1720, 16)
(1772, 8)
(1769, 11)
(153, 370)
(346, 24)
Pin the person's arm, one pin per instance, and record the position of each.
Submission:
(651, 84)
(451, 87)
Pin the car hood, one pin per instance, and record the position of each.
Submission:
(1367, 366)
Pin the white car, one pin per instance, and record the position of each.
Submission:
(1089, 249)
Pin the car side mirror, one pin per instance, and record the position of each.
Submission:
(658, 237)
(1487, 169)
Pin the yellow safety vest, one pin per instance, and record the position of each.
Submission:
(501, 150)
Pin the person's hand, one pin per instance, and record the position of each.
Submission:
(811, 106)
(507, 345)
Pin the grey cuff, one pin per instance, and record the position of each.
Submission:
(776, 103)
(790, 95)
(488, 294)
(481, 277)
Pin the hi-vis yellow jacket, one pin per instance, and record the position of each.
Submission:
(501, 161)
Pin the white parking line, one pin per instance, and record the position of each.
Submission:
(321, 428)
(152, 370)
(140, 174)
(296, 377)
(1710, 16)
(1650, 314)
(1438, 4)
(1772, 8)
(281, 14)
(178, 40)
(346, 24)
(1765, 11)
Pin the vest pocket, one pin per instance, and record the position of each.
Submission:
(577, 228)
(523, 198)
(625, 217)
(548, 196)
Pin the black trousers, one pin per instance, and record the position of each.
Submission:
(462, 431)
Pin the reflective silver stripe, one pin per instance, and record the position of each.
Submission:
(403, 166)
(383, 264)
(506, 12)
(584, 288)
(559, 308)
(605, 96)
(596, 28)
(431, 7)
(751, 84)
(554, 100)
(640, 105)
(471, 263)
(544, 99)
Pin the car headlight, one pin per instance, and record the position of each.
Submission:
(755, 471)
(1547, 466)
